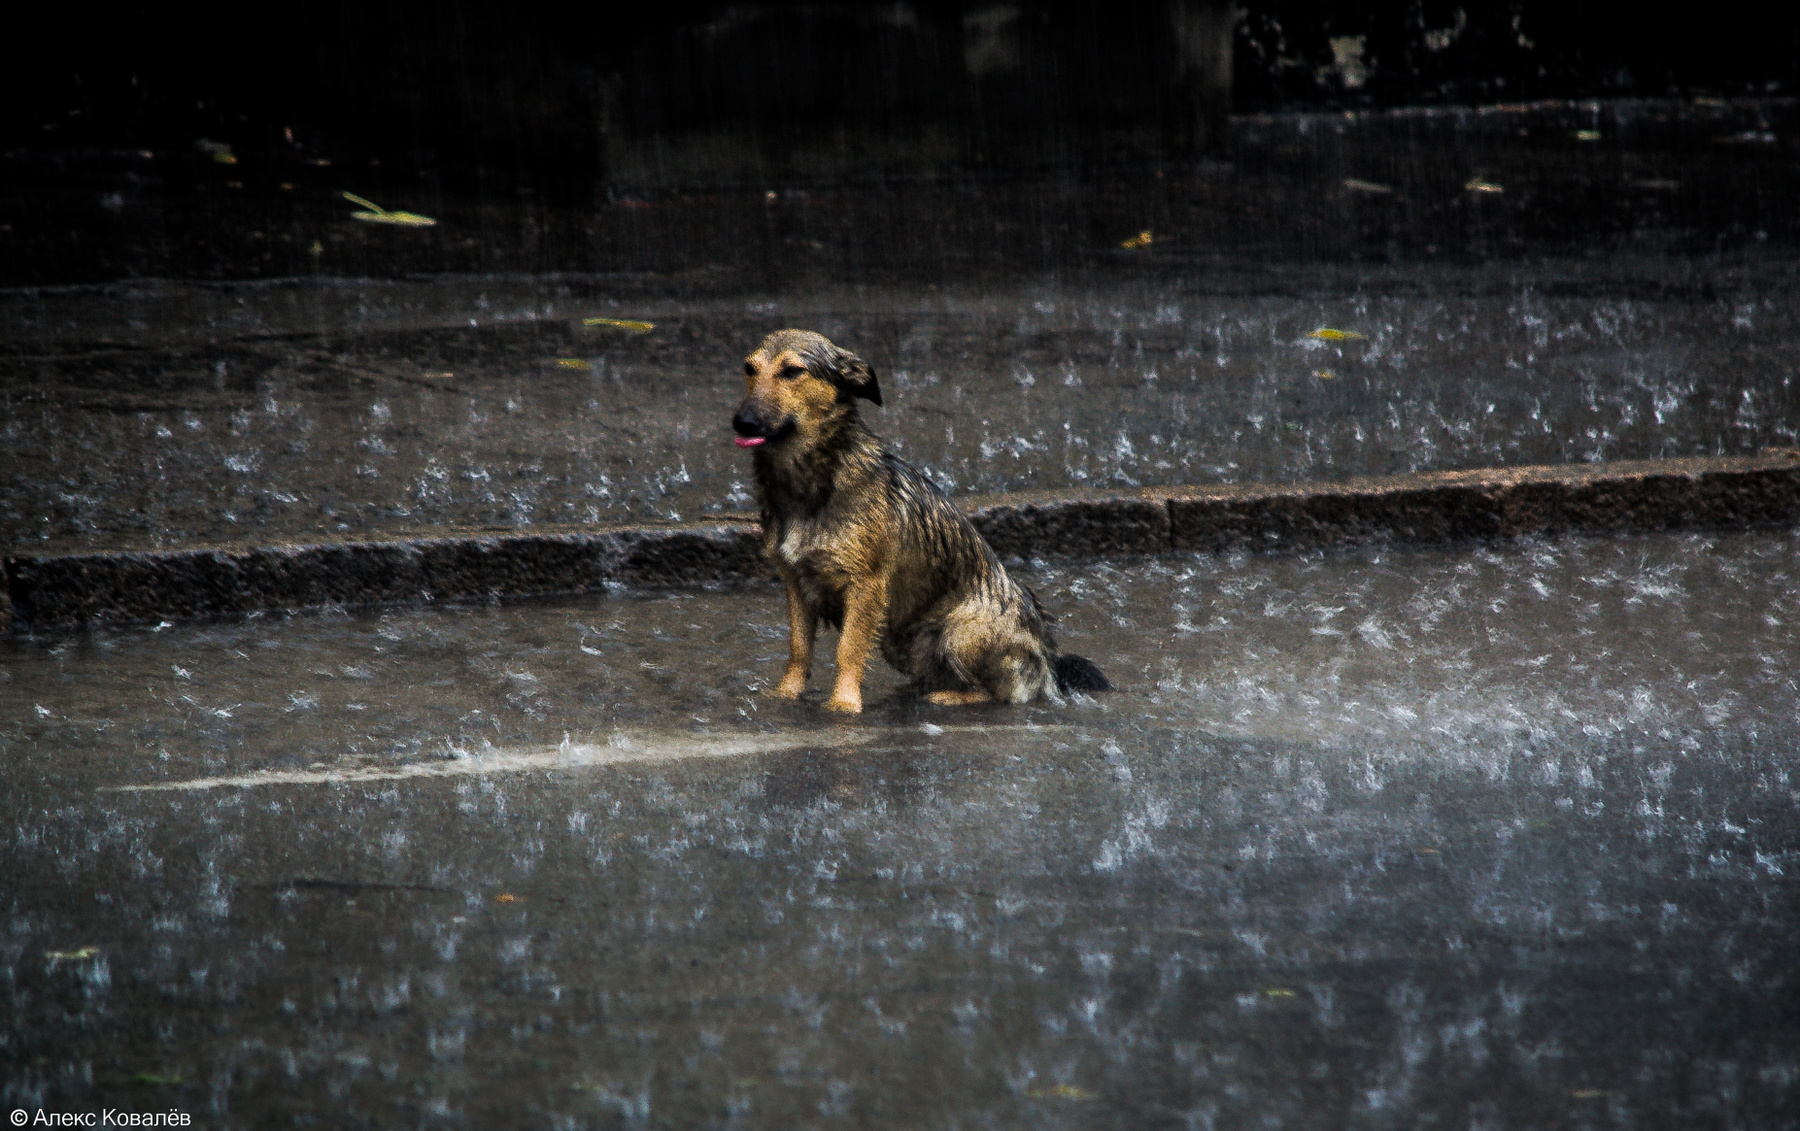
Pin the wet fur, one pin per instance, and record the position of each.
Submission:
(867, 545)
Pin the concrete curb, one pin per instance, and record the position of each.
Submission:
(54, 593)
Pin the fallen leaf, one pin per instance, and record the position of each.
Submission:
(376, 214)
(1587, 135)
(1060, 1092)
(1278, 993)
(1327, 334)
(77, 955)
(1479, 185)
(1356, 184)
(1142, 239)
(1324, 374)
(621, 324)
(573, 363)
(507, 897)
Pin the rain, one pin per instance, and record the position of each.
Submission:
(1495, 833)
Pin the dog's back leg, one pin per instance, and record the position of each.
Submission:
(958, 698)
(998, 657)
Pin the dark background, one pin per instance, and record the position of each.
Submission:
(144, 143)
(563, 97)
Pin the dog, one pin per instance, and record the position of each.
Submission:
(869, 546)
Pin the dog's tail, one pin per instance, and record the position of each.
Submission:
(1078, 673)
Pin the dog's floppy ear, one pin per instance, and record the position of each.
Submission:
(859, 376)
(852, 374)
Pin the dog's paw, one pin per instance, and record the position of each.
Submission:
(957, 698)
(792, 686)
(846, 705)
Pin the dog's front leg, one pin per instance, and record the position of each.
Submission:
(803, 626)
(865, 607)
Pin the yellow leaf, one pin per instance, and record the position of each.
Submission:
(1060, 1092)
(573, 363)
(376, 214)
(620, 324)
(76, 955)
(1327, 334)
(1142, 239)
(404, 219)
(1278, 993)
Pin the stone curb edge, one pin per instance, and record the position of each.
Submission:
(54, 593)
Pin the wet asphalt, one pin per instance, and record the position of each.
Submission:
(196, 353)
(172, 415)
(1498, 837)
(1486, 836)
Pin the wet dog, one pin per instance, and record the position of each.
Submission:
(869, 546)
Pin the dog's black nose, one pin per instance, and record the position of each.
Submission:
(747, 422)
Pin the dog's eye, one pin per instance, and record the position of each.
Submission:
(792, 372)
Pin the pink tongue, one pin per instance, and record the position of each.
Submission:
(749, 441)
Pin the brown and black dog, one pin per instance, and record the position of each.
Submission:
(866, 544)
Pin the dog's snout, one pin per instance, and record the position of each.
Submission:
(748, 422)
(756, 425)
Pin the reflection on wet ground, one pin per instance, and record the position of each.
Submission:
(170, 414)
(1493, 837)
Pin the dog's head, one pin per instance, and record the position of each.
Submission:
(795, 381)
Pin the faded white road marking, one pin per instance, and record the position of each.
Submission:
(619, 748)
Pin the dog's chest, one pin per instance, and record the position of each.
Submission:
(792, 549)
(819, 555)
(806, 547)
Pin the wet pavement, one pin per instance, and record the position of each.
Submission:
(1496, 837)
(169, 414)
(1488, 837)
(187, 362)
